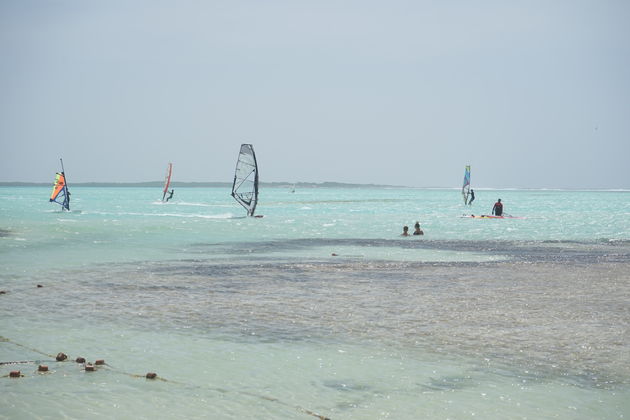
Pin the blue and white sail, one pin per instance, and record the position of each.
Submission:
(466, 186)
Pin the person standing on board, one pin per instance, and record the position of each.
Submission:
(472, 197)
(417, 230)
(497, 210)
(170, 195)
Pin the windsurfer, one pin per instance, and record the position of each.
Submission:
(170, 194)
(472, 197)
(497, 210)
(417, 230)
(245, 186)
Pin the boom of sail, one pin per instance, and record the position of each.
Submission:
(466, 186)
(167, 179)
(245, 186)
(60, 193)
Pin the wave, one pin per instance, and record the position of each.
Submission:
(182, 215)
(191, 204)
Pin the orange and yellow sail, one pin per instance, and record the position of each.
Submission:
(60, 193)
(60, 183)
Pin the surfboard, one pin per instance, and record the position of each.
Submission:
(488, 216)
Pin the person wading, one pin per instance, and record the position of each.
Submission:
(497, 210)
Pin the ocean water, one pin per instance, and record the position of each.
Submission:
(320, 309)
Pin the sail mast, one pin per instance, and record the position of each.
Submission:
(66, 197)
(63, 172)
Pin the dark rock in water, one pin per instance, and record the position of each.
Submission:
(346, 385)
(61, 357)
(449, 383)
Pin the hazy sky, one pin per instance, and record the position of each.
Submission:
(530, 93)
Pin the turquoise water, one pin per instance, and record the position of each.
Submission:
(319, 308)
(127, 224)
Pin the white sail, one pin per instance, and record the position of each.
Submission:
(167, 180)
(245, 186)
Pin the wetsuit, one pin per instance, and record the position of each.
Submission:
(497, 210)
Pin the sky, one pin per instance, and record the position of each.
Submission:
(531, 94)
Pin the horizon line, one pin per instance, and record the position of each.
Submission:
(285, 184)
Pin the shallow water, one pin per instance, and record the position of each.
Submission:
(242, 318)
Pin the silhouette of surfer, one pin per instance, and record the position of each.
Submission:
(170, 195)
(472, 197)
(497, 210)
